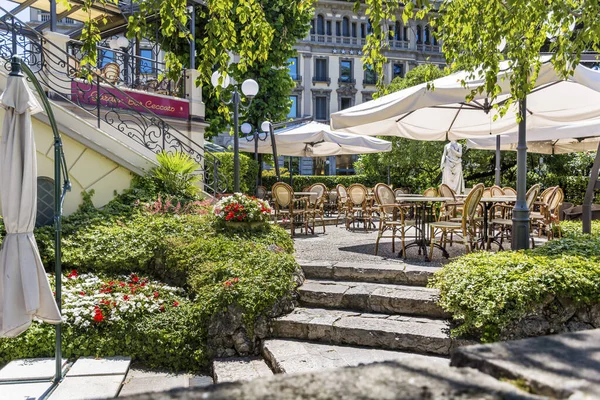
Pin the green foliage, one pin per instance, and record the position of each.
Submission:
(175, 176)
(420, 74)
(487, 291)
(248, 171)
(331, 181)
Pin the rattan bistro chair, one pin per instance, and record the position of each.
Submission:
(391, 217)
(467, 227)
(111, 72)
(342, 199)
(286, 207)
(261, 192)
(508, 191)
(357, 206)
(430, 192)
(548, 216)
(316, 205)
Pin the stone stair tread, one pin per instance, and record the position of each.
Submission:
(371, 297)
(393, 332)
(396, 273)
(296, 356)
(240, 369)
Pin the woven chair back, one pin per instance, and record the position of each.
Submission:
(546, 194)
(318, 188)
(385, 197)
(487, 192)
(399, 192)
(430, 192)
(341, 192)
(261, 192)
(282, 194)
(496, 191)
(472, 201)
(508, 191)
(531, 195)
(111, 72)
(446, 191)
(357, 194)
(556, 199)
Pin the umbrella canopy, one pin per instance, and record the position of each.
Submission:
(442, 113)
(24, 289)
(317, 140)
(576, 137)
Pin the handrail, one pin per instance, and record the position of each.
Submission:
(100, 99)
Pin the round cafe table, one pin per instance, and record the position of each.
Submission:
(422, 239)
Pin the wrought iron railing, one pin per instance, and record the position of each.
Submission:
(100, 100)
(135, 72)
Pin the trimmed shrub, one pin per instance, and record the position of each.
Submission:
(248, 171)
(487, 292)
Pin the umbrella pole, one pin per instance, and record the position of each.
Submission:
(274, 147)
(59, 193)
(593, 184)
(520, 226)
(498, 160)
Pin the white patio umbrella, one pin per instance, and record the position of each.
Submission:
(24, 289)
(443, 114)
(316, 140)
(571, 138)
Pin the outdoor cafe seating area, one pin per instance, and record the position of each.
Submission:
(431, 221)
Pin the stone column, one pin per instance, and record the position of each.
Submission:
(57, 63)
(307, 83)
(194, 94)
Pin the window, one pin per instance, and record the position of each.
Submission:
(419, 34)
(293, 67)
(346, 102)
(293, 108)
(320, 25)
(398, 31)
(321, 108)
(346, 27)
(320, 166)
(45, 202)
(146, 64)
(312, 27)
(370, 76)
(345, 71)
(344, 165)
(321, 74)
(354, 29)
(329, 28)
(426, 37)
(405, 33)
(398, 71)
(338, 28)
(106, 56)
(363, 33)
(369, 27)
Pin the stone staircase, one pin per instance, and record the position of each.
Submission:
(353, 313)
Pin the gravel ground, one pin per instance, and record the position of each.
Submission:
(339, 244)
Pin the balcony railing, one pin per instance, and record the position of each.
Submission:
(428, 48)
(400, 44)
(321, 79)
(134, 72)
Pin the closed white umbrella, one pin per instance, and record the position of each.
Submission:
(24, 288)
(317, 140)
(571, 138)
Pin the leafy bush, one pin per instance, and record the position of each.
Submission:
(486, 292)
(175, 176)
(331, 181)
(248, 171)
(574, 228)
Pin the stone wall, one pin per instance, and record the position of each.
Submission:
(228, 335)
(554, 315)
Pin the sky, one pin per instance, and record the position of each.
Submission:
(9, 5)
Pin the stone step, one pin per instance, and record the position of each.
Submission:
(391, 332)
(240, 369)
(297, 356)
(399, 273)
(371, 297)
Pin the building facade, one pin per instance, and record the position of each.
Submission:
(330, 75)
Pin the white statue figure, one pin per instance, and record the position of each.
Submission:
(452, 174)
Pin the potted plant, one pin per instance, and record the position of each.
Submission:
(239, 211)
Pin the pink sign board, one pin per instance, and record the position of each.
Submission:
(110, 97)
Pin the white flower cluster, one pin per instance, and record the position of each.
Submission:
(88, 299)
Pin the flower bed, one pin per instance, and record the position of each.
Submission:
(242, 208)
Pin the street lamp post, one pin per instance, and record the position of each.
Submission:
(249, 89)
(267, 127)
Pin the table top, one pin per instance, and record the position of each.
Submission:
(306, 193)
(422, 198)
(497, 199)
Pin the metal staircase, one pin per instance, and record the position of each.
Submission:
(95, 99)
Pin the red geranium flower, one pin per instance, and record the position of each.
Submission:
(236, 280)
(82, 293)
(134, 278)
(98, 316)
(175, 304)
(227, 283)
(162, 308)
(156, 294)
(73, 274)
(126, 298)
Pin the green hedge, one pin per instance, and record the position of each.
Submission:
(248, 171)
(331, 181)
(488, 291)
(217, 267)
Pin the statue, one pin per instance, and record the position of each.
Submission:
(452, 174)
